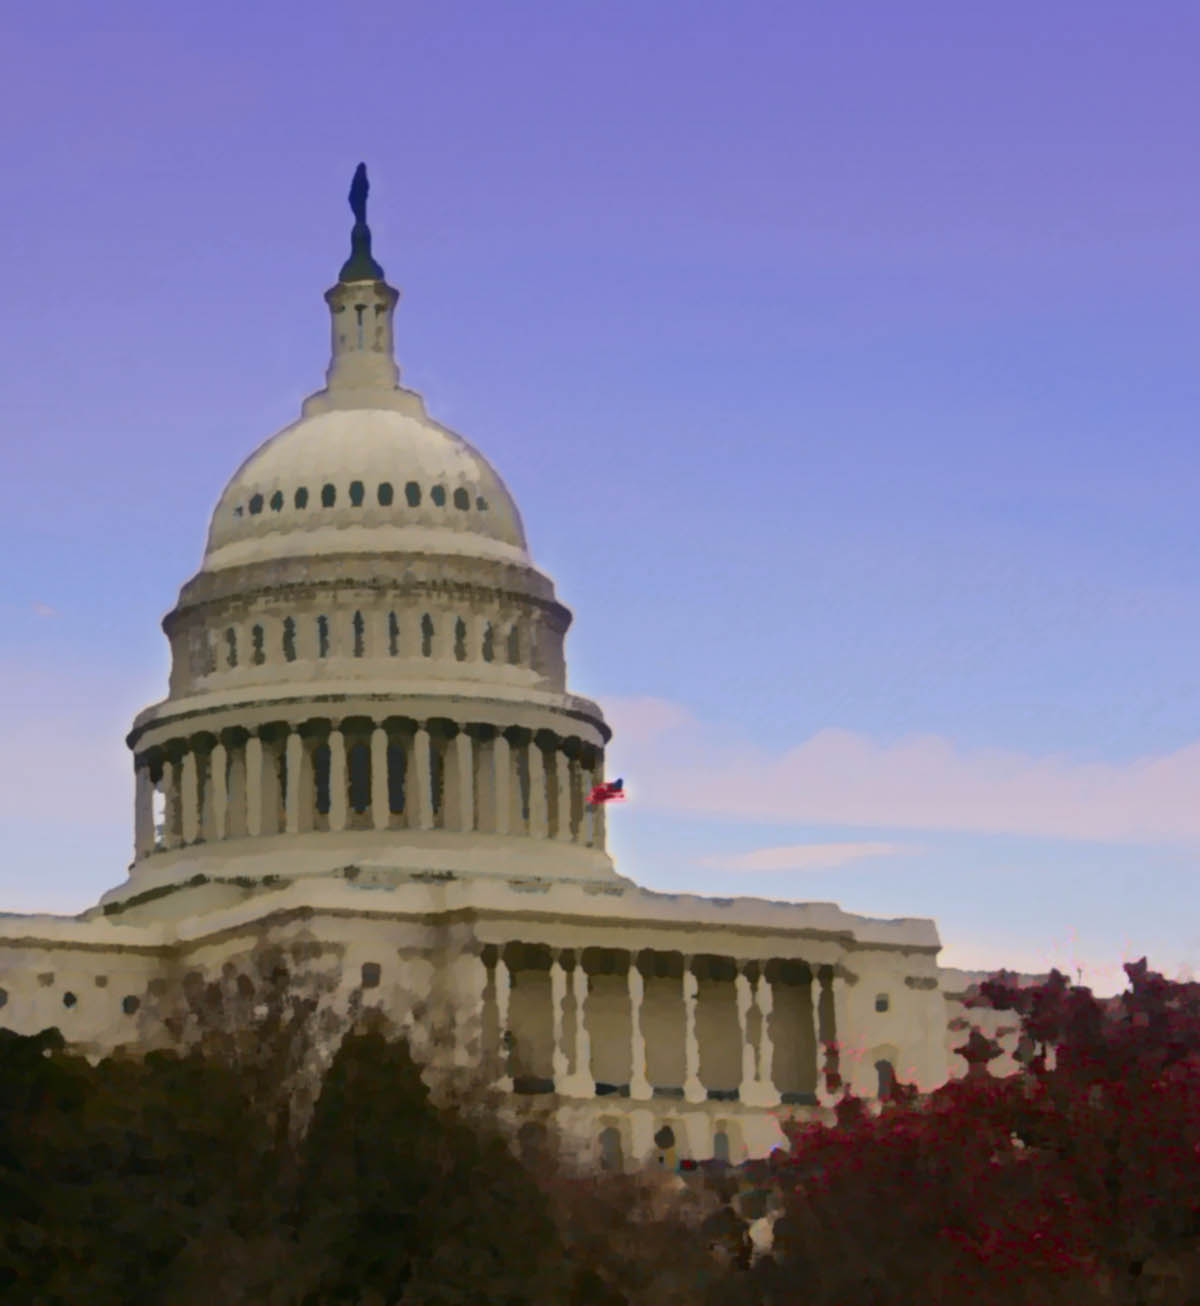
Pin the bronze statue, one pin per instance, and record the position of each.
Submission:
(358, 195)
(360, 266)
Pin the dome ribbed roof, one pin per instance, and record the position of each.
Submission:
(361, 480)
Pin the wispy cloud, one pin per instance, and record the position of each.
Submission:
(44, 610)
(802, 856)
(836, 777)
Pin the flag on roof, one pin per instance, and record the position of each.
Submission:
(606, 793)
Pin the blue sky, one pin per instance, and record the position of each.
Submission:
(841, 358)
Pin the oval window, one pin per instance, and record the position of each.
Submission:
(256, 504)
(328, 496)
(301, 498)
(385, 494)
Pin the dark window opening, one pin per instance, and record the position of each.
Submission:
(523, 779)
(359, 628)
(489, 643)
(356, 494)
(887, 1079)
(462, 499)
(321, 777)
(301, 499)
(277, 501)
(721, 1146)
(393, 635)
(412, 492)
(385, 494)
(323, 637)
(437, 778)
(3, 997)
(481, 504)
(358, 766)
(427, 636)
(289, 639)
(237, 512)
(881, 1002)
(130, 1004)
(256, 639)
(460, 640)
(256, 504)
(396, 763)
(69, 999)
(231, 647)
(328, 496)
(438, 495)
(514, 646)
(370, 975)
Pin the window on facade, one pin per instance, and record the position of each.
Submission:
(427, 636)
(356, 494)
(610, 1149)
(437, 778)
(321, 778)
(385, 494)
(277, 501)
(882, 1002)
(323, 637)
(887, 1079)
(396, 763)
(370, 974)
(481, 504)
(130, 1004)
(256, 504)
(256, 640)
(460, 640)
(237, 512)
(412, 492)
(438, 495)
(328, 496)
(489, 643)
(289, 639)
(721, 1146)
(514, 645)
(462, 499)
(301, 499)
(231, 647)
(69, 999)
(393, 635)
(359, 631)
(358, 767)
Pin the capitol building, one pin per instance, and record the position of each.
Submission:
(369, 763)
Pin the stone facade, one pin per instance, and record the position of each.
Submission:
(369, 767)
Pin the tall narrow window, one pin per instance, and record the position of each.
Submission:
(412, 492)
(461, 498)
(301, 499)
(277, 501)
(396, 763)
(323, 637)
(289, 639)
(358, 766)
(358, 635)
(321, 777)
(256, 504)
(359, 310)
(385, 494)
(393, 635)
(427, 636)
(437, 778)
(438, 495)
(231, 647)
(514, 645)
(489, 643)
(328, 496)
(356, 494)
(522, 757)
(721, 1146)
(460, 640)
(256, 639)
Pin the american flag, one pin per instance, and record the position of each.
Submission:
(606, 793)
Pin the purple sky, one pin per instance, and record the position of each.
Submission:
(841, 358)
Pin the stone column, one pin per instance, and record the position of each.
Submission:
(464, 760)
(380, 794)
(294, 753)
(189, 797)
(539, 816)
(693, 1089)
(582, 1082)
(422, 789)
(337, 779)
(562, 787)
(143, 811)
(254, 786)
(825, 1096)
(639, 1085)
(501, 781)
(599, 829)
(171, 814)
(745, 999)
(235, 803)
(218, 780)
(766, 1048)
(503, 989)
(558, 995)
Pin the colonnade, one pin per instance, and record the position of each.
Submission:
(548, 1043)
(354, 773)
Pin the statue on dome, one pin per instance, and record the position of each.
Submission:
(360, 266)
(358, 195)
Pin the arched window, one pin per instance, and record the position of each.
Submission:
(393, 635)
(358, 767)
(887, 1079)
(460, 640)
(489, 643)
(289, 639)
(321, 777)
(256, 504)
(664, 1140)
(323, 637)
(359, 630)
(385, 494)
(231, 647)
(328, 496)
(462, 499)
(610, 1149)
(396, 764)
(412, 492)
(256, 640)
(301, 499)
(427, 636)
(721, 1146)
(356, 494)
(514, 644)
(277, 501)
(438, 495)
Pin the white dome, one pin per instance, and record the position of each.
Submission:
(364, 480)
